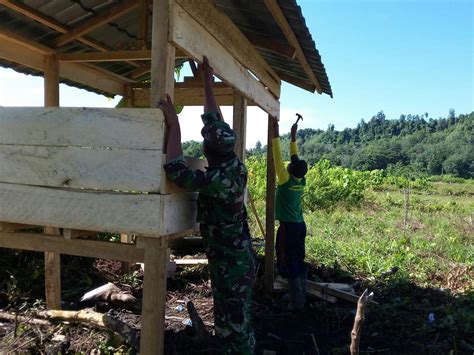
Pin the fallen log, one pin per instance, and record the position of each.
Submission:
(88, 317)
(23, 319)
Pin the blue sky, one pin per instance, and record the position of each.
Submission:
(399, 56)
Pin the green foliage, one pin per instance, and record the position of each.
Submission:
(432, 146)
(192, 149)
(328, 186)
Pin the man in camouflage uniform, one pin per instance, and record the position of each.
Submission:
(222, 217)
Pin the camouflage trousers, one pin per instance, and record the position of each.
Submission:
(231, 268)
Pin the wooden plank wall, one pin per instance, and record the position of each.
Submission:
(105, 149)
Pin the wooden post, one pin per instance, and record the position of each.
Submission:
(156, 261)
(154, 296)
(162, 53)
(270, 213)
(52, 261)
(125, 266)
(143, 24)
(240, 124)
(51, 81)
(52, 274)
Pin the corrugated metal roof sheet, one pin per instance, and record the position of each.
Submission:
(248, 15)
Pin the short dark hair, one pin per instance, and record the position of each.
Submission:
(298, 167)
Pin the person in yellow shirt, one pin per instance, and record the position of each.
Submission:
(291, 234)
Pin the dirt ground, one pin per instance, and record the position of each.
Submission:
(399, 324)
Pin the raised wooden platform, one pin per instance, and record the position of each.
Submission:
(73, 172)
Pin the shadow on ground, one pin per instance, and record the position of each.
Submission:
(407, 319)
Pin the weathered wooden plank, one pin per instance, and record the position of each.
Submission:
(270, 213)
(51, 81)
(169, 187)
(74, 167)
(194, 39)
(229, 35)
(23, 54)
(79, 247)
(239, 125)
(91, 127)
(14, 227)
(162, 52)
(52, 272)
(179, 213)
(188, 96)
(140, 214)
(105, 212)
(154, 296)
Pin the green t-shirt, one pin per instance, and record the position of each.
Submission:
(288, 203)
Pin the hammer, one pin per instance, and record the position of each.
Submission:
(299, 118)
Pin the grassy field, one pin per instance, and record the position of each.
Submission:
(432, 253)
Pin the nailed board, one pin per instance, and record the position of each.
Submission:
(229, 35)
(142, 214)
(74, 167)
(96, 149)
(194, 39)
(82, 127)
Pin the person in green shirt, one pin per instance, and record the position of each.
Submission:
(291, 234)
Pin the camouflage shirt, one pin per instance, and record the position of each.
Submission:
(221, 189)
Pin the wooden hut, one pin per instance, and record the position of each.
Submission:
(78, 171)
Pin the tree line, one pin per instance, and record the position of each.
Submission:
(417, 142)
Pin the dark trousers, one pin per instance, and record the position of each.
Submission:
(290, 249)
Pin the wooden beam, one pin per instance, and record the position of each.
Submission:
(52, 260)
(295, 81)
(188, 96)
(270, 213)
(111, 56)
(218, 25)
(99, 20)
(143, 24)
(53, 24)
(79, 247)
(163, 53)
(269, 44)
(15, 52)
(285, 27)
(14, 227)
(154, 296)
(240, 124)
(195, 40)
(51, 81)
(25, 42)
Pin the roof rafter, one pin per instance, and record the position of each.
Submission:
(280, 18)
(111, 56)
(219, 25)
(26, 53)
(104, 17)
(55, 25)
(270, 45)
